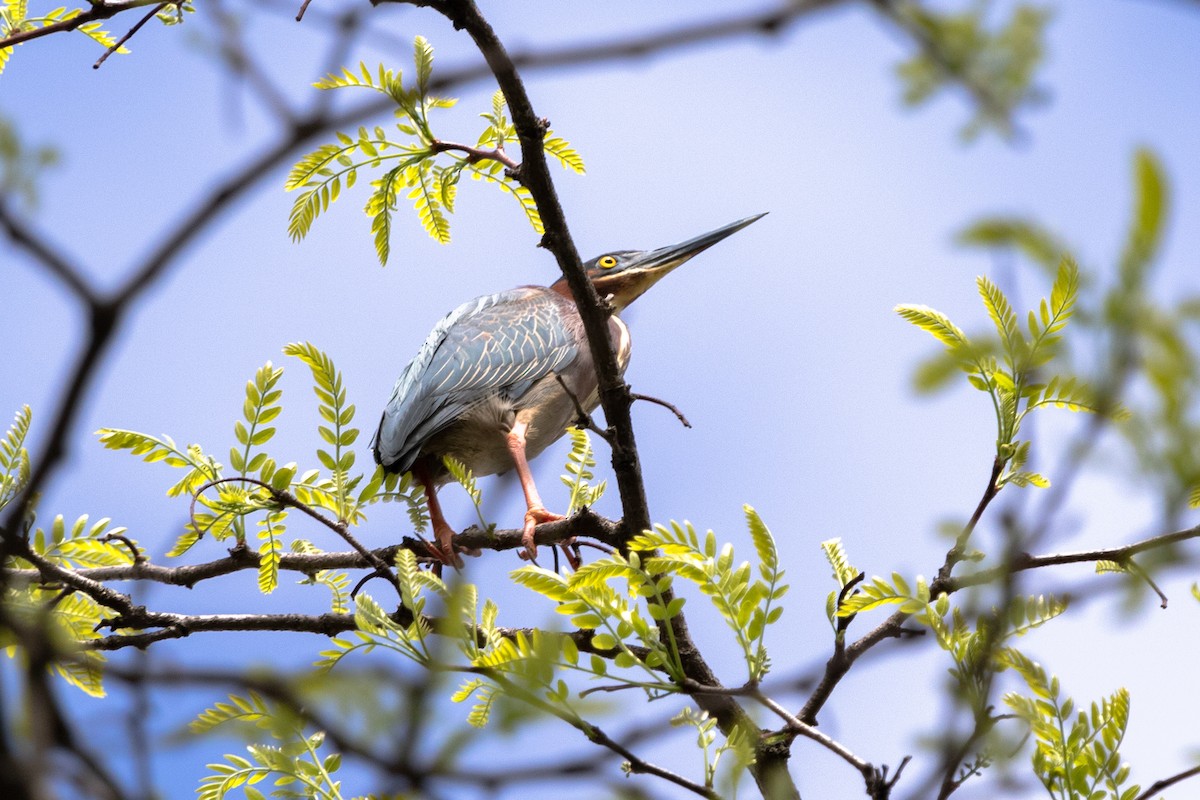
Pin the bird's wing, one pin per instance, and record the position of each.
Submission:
(500, 343)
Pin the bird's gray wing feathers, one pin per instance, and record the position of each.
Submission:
(500, 343)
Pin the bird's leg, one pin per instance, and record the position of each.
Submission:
(535, 512)
(443, 534)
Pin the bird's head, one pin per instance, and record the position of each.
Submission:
(624, 275)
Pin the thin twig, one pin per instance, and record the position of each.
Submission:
(795, 725)
(636, 763)
(1135, 569)
(129, 34)
(52, 572)
(1166, 783)
(582, 418)
(137, 555)
(241, 61)
(678, 414)
(1027, 562)
(475, 154)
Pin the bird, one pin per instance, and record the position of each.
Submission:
(501, 377)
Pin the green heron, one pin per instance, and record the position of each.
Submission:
(499, 378)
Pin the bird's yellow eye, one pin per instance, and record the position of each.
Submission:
(607, 262)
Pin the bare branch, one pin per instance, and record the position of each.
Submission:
(1166, 783)
(669, 406)
(241, 61)
(1025, 562)
(54, 262)
(475, 154)
(129, 34)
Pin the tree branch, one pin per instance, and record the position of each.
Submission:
(583, 523)
(771, 767)
(98, 10)
(54, 262)
(1025, 562)
(1166, 783)
(137, 26)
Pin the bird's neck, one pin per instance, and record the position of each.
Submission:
(614, 290)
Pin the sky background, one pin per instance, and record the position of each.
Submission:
(780, 344)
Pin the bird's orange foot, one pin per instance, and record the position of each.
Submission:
(444, 550)
(535, 516)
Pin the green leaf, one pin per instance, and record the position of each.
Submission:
(1000, 310)
(332, 406)
(425, 196)
(764, 543)
(1146, 227)
(1026, 236)
(1029, 479)
(14, 457)
(580, 463)
(270, 550)
(423, 58)
(561, 151)
(379, 208)
(544, 582)
(835, 554)
(936, 323)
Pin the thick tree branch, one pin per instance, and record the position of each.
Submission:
(770, 768)
(584, 523)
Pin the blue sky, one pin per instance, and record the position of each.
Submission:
(780, 344)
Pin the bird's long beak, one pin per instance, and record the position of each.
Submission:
(649, 267)
(665, 259)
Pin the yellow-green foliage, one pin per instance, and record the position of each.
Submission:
(416, 164)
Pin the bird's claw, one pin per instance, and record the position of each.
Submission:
(535, 516)
(444, 552)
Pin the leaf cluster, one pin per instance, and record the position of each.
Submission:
(1075, 760)
(14, 457)
(417, 164)
(738, 746)
(996, 60)
(1012, 369)
(747, 604)
(20, 164)
(581, 460)
(621, 606)
(1076, 754)
(222, 500)
(71, 619)
(1143, 350)
(297, 764)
